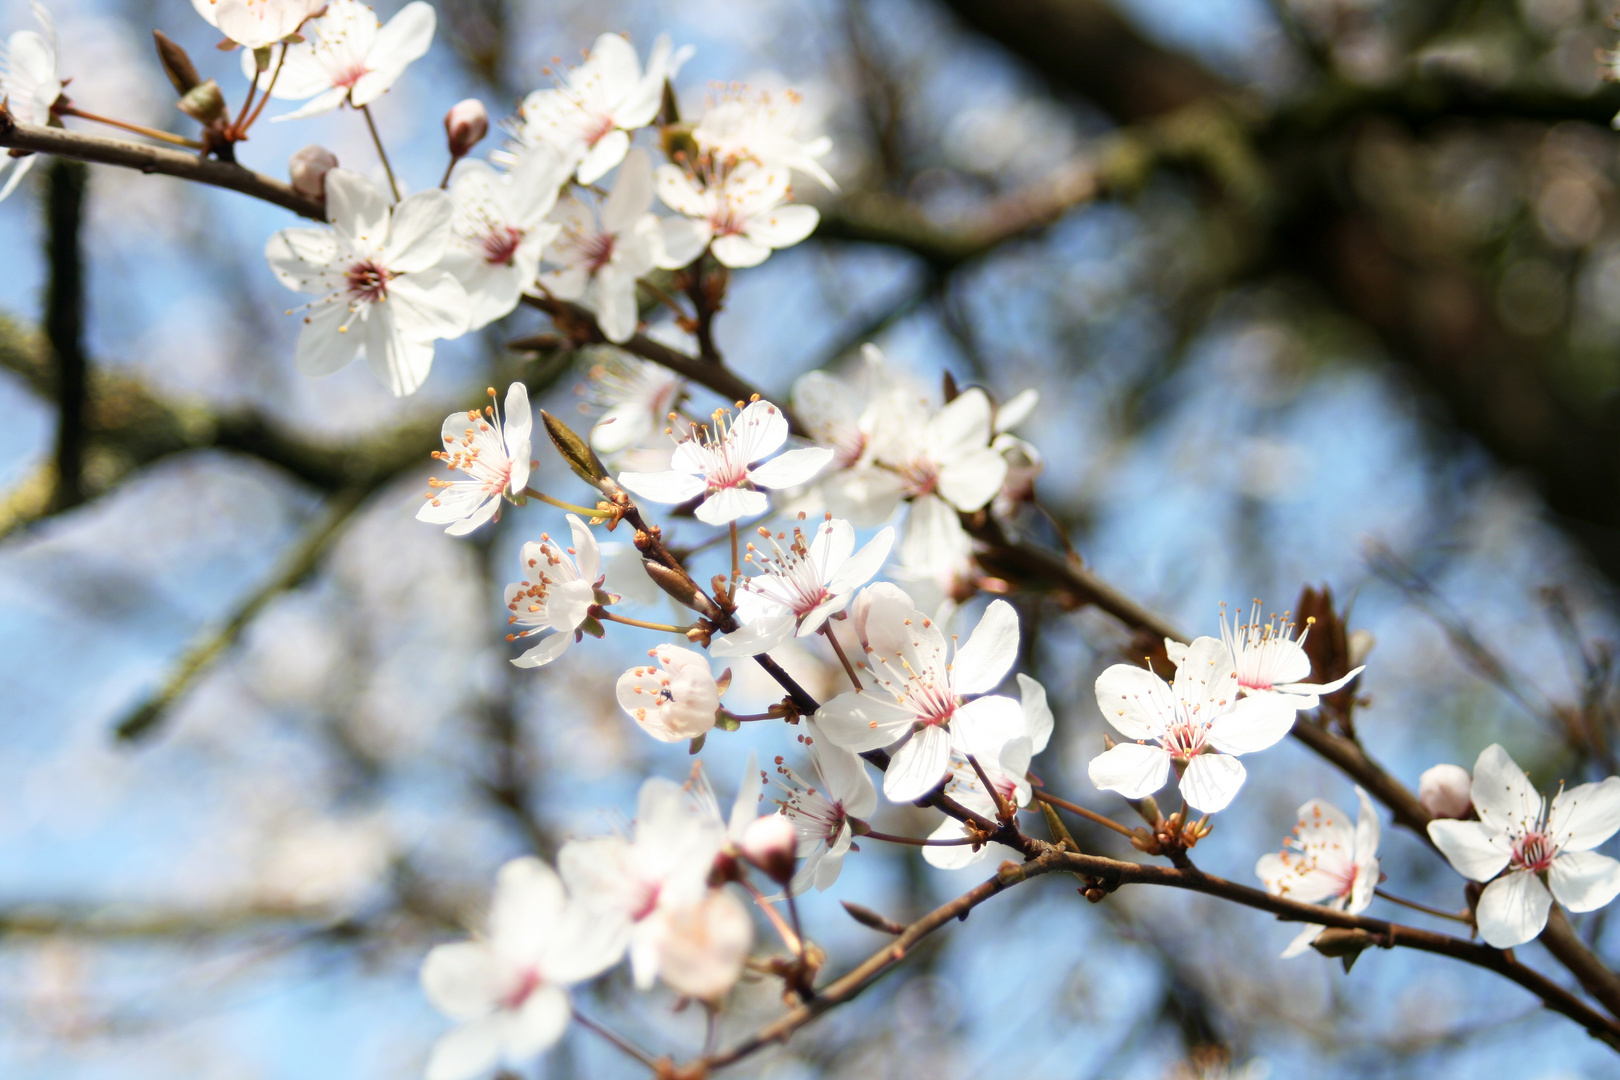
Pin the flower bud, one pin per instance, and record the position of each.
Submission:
(1361, 643)
(1445, 790)
(465, 125)
(771, 843)
(308, 169)
(204, 103)
(176, 64)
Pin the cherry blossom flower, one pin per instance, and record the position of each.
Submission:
(760, 129)
(493, 452)
(845, 415)
(589, 117)
(647, 881)
(922, 693)
(29, 85)
(556, 594)
(601, 252)
(349, 55)
(636, 394)
(509, 990)
(254, 24)
(705, 946)
(741, 214)
(673, 699)
(1199, 724)
(499, 229)
(721, 465)
(1325, 860)
(803, 585)
(1539, 847)
(1444, 791)
(822, 812)
(1004, 749)
(1269, 661)
(379, 291)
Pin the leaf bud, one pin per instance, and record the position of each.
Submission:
(574, 450)
(681, 587)
(204, 103)
(176, 64)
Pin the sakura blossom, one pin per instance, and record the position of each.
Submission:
(650, 883)
(1523, 847)
(29, 85)
(558, 590)
(499, 229)
(508, 989)
(673, 699)
(742, 215)
(845, 415)
(1199, 724)
(1326, 860)
(379, 290)
(922, 692)
(636, 396)
(721, 464)
(1444, 791)
(761, 129)
(602, 251)
(255, 24)
(348, 56)
(705, 946)
(802, 586)
(821, 812)
(1270, 661)
(493, 452)
(589, 117)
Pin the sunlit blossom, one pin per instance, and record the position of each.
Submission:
(557, 591)
(1326, 860)
(674, 698)
(348, 55)
(29, 85)
(499, 229)
(821, 811)
(493, 452)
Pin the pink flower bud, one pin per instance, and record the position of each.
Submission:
(308, 169)
(771, 843)
(465, 125)
(1444, 791)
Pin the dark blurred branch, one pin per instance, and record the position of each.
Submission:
(64, 324)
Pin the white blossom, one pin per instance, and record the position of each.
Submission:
(761, 130)
(254, 24)
(379, 291)
(1326, 860)
(348, 55)
(636, 395)
(509, 989)
(821, 812)
(741, 214)
(499, 229)
(845, 415)
(1199, 724)
(674, 698)
(588, 117)
(493, 452)
(29, 85)
(1539, 848)
(705, 946)
(922, 692)
(721, 464)
(802, 586)
(557, 592)
(1270, 661)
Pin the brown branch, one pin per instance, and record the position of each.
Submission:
(64, 325)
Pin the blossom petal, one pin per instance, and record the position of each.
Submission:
(1211, 781)
(1502, 794)
(419, 231)
(959, 429)
(399, 361)
(1134, 770)
(760, 636)
(984, 725)
(599, 160)
(1513, 909)
(683, 241)
(958, 856)
(739, 251)
(1475, 850)
(729, 504)
(1584, 880)
(403, 39)
(587, 555)
(462, 979)
(429, 304)
(972, 480)
(323, 347)
(919, 765)
(845, 775)
(992, 648)
(861, 721)
(663, 487)
(760, 430)
(551, 646)
(1136, 701)
(792, 468)
(632, 190)
(1302, 941)
(1252, 724)
(860, 567)
(1585, 816)
(538, 1024)
(784, 226)
(316, 106)
(357, 209)
(469, 1051)
(1037, 713)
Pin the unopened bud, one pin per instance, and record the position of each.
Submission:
(465, 126)
(204, 103)
(681, 587)
(1445, 791)
(574, 450)
(1359, 646)
(308, 169)
(771, 843)
(1345, 944)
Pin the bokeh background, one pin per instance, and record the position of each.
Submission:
(1314, 291)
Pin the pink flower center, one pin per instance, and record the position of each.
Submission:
(1534, 851)
(527, 984)
(501, 244)
(599, 130)
(647, 902)
(1185, 738)
(598, 251)
(350, 75)
(368, 282)
(934, 707)
(921, 477)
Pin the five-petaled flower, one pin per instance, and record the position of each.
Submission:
(1539, 847)
(720, 464)
(674, 698)
(1269, 660)
(1200, 724)
(493, 452)
(379, 290)
(557, 593)
(636, 396)
(760, 129)
(29, 85)
(821, 813)
(499, 229)
(741, 214)
(348, 55)
(253, 24)
(922, 691)
(1326, 860)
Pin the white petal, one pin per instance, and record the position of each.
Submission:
(322, 347)
(956, 856)
(356, 208)
(1513, 909)
(1252, 724)
(1016, 409)
(632, 190)
(1136, 701)
(844, 774)
(418, 231)
(683, 241)
(792, 468)
(316, 106)
(467, 1052)
(1584, 880)
(729, 504)
(738, 251)
(760, 430)
(1302, 941)
(863, 721)
(429, 304)
(1211, 781)
(528, 902)
(551, 646)
(663, 487)
(1502, 794)
(760, 636)
(1474, 849)
(919, 765)
(784, 226)
(984, 725)
(1037, 713)
(972, 480)
(537, 1025)
(860, 568)
(981, 663)
(600, 159)
(960, 428)
(1132, 769)
(1583, 817)
(463, 980)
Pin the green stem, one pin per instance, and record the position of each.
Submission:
(589, 511)
(393, 185)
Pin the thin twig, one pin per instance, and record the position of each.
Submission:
(1425, 908)
(1089, 815)
(616, 1039)
(371, 125)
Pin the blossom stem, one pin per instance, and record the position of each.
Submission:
(774, 713)
(1089, 815)
(736, 564)
(1426, 909)
(234, 131)
(241, 128)
(849, 668)
(592, 511)
(789, 938)
(1003, 809)
(914, 842)
(616, 1039)
(663, 297)
(124, 125)
(393, 185)
(597, 611)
